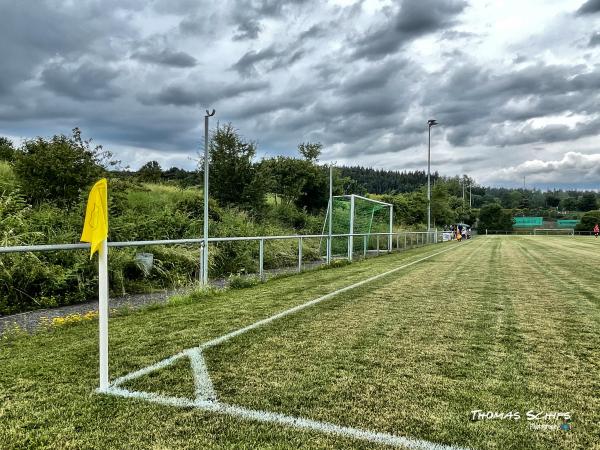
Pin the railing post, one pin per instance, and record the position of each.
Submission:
(201, 265)
(261, 259)
(299, 255)
(391, 229)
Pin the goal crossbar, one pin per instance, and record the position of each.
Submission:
(553, 231)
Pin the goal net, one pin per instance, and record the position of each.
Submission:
(553, 231)
(354, 214)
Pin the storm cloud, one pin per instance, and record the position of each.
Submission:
(362, 77)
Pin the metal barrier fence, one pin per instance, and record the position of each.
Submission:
(395, 241)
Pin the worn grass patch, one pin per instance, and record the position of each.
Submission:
(499, 324)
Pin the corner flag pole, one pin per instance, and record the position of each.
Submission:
(103, 313)
(95, 231)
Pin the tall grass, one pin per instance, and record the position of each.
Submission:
(137, 212)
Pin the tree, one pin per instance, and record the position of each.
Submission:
(235, 180)
(7, 150)
(150, 172)
(310, 151)
(569, 204)
(297, 181)
(441, 212)
(587, 202)
(59, 169)
(588, 220)
(493, 217)
(552, 200)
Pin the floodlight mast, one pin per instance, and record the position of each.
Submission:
(430, 123)
(204, 273)
(330, 214)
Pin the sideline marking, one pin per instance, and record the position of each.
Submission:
(206, 397)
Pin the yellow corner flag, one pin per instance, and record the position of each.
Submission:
(95, 228)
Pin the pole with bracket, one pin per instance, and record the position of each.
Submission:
(205, 250)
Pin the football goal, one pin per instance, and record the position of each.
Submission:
(366, 223)
(553, 231)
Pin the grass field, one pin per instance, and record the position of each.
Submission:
(501, 324)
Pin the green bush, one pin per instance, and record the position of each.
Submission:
(137, 212)
(588, 220)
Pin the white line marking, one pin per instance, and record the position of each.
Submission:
(282, 419)
(204, 386)
(206, 397)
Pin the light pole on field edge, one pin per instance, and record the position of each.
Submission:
(204, 276)
(430, 123)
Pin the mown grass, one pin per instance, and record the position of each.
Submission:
(500, 324)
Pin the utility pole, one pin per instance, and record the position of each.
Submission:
(430, 123)
(204, 278)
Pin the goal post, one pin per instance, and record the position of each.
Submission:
(366, 224)
(554, 232)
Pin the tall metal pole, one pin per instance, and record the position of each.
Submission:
(351, 235)
(430, 123)
(429, 180)
(329, 246)
(205, 252)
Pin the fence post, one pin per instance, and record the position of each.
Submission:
(391, 229)
(404, 241)
(365, 246)
(201, 265)
(299, 255)
(398, 241)
(261, 258)
(486, 231)
(377, 245)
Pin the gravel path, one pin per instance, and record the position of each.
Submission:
(31, 320)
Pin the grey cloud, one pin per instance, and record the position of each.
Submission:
(31, 35)
(589, 7)
(316, 31)
(85, 81)
(501, 135)
(201, 93)
(415, 18)
(594, 39)
(248, 30)
(247, 64)
(376, 76)
(165, 57)
(573, 166)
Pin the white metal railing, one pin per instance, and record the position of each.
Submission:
(402, 240)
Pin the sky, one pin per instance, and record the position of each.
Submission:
(514, 84)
